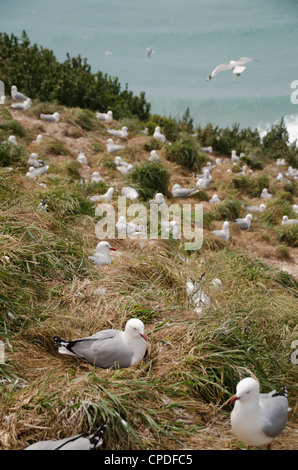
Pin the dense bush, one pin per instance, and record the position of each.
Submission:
(151, 178)
(36, 72)
(186, 152)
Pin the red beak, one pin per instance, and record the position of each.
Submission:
(234, 399)
(113, 249)
(145, 337)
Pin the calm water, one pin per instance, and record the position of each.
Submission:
(189, 39)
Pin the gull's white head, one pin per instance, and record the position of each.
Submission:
(135, 328)
(246, 390)
(104, 247)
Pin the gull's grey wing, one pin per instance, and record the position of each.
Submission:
(103, 349)
(274, 412)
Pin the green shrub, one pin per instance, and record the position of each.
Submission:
(150, 178)
(36, 71)
(11, 154)
(288, 234)
(186, 152)
(251, 186)
(170, 128)
(229, 209)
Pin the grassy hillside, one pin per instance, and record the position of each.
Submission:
(178, 396)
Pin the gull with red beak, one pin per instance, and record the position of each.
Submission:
(257, 418)
(102, 254)
(109, 348)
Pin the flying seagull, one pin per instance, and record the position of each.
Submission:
(237, 66)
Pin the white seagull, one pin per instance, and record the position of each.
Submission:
(55, 117)
(153, 156)
(22, 106)
(107, 117)
(150, 51)
(122, 133)
(96, 178)
(257, 418)
(78, 442)
(158, 199)
(197, 296)
(159, 136)
(129, 193)
(224, 232)
(102, 254)
(111, 147)
(109, 348)
(16, 95)
(178, 191)
(214, 199)
(103, 197)
(237, 66)
(287, 221)
(81, 158)
(265, 194)
(244, 223)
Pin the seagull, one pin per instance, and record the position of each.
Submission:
(12, 139)
(111, 147)
(129, 228)
(159, 136)
(123, 132)
(103, 197)
(260, 208)
(42, 206)
(234, 156)
(22, 106)
(78, 442)
(178, 191)
(109, 348)
(16, 95)
(224, 232)
(207, 149)
(237, 66)
(158, 199)
(204, 180)
(295, 208)
(122, 166)
(129, 193)
(214, 199)
(38, 139)
(2, 99)
(102, 254)
(287, 221)
(197, 296)
(82, 159)
(257, 418)
(265, 194)
(280, 162)
(55, 117)
(96, 178)
(153, 156)
(36, 172)
(107, 117)
(108, 53)
(245, 222)
(150, 51)
(170, 227)
(34, 161)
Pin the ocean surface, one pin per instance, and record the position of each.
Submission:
(189, 38)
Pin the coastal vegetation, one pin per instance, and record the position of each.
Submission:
(178, 396)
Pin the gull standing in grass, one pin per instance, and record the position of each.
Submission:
(197, 296)
(158, 199)
(257, 418)
(109, 348)
(78, 442)
(96, 178)
(102, 253)
(265, 194)
(224, 232)
(153, 156)
(237, 66)
(81, 158)
(215, 199)
(122, 166)
(159, 136)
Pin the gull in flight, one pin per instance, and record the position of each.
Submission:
(150, 51)
(237, 66)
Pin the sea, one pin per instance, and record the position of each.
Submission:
(189, 39)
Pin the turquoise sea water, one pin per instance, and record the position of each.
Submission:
(189, 38)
